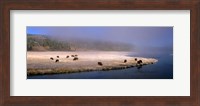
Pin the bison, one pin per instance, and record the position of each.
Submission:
(139, 62)
(135, 59)
(51, 58)
(67, 56)
(125, 61)
(75, 58)
(57, 56)
(100, 63)
(57, 60)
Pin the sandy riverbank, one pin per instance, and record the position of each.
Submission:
(40, 62)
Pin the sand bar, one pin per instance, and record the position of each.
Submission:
(40, 62)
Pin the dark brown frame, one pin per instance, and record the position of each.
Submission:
(192, 5)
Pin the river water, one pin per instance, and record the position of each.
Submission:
(163, 69)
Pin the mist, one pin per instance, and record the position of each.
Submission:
(142, 39)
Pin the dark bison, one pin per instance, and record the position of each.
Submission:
(51, 58)
(76, 55)
(100, 63)
(57, 56)
(72, 56)
(135, 59)
(67, 56)
(125, 61)
(75, 58)
(57, 60)
(139, 62)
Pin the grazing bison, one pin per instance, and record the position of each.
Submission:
(125, 61)
(51, 58)
(67, 56)
(76, 55)
(139, 62)
(135, 59)
(57, 60)
(57, 56)
(100, 63)
(75, 58)
(72, 55)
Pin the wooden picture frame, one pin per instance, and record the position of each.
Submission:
(7, 5)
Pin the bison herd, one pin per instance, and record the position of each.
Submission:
(138, 63)
(75, 58)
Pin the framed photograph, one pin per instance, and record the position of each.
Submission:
(100, 52)
(86, 52)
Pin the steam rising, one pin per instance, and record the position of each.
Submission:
(141, 38)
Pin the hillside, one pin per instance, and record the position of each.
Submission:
(46, 43)
(43, 43)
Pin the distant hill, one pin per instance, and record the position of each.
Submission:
(43, 43)
(46, 43)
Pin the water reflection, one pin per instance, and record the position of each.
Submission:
(139, 67)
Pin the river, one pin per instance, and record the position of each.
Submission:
(163, 69)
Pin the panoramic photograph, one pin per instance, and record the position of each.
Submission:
(99, 52)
